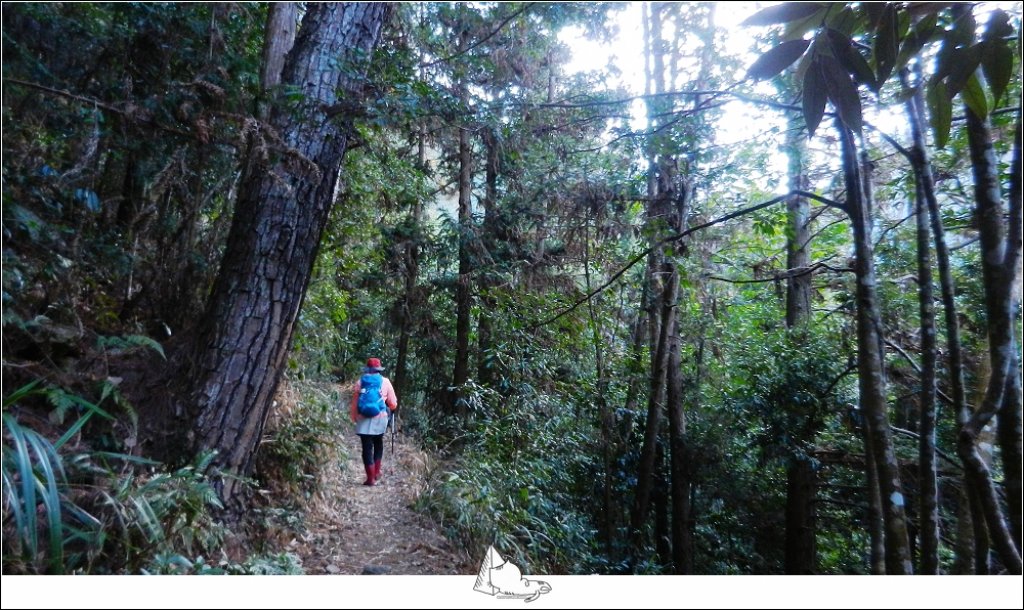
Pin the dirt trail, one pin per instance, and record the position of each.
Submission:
(356, 529)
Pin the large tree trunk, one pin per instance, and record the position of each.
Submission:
(870, 365)
(275, 234)
(801, 547)
(997, 261)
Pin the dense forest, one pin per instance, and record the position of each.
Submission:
(759, 317)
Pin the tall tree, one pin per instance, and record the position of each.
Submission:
(1000, 260)
(280, 216)
(800, 478)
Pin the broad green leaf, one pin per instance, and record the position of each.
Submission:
(854, 62)
(974, 96)
(997, 65)
(886, 44)
(846, 20)
(927, 8)
(797, 29)
(998, 26)
(843, 92)
(777, 59)
(965, 62)
(814, 97)
(919, 35)
(783, 13)
(962, 33)
(940, 112)
(874, 12)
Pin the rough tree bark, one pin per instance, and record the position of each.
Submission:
(279, 218)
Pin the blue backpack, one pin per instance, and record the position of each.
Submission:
(371, 401)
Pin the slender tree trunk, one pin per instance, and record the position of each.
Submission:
(1010, 416)
(280, 216)
(928, 518)
(657, 335)
(282, 18)
(655, 407)
(463, 299)
(676, 195)
(801, 546)
(999, 305)
(924, 177)
(963, 543)
(928, 473)
(605, 523)
(489, 239)
(678, 452)
(660, 499)
(871, 370)
(411, 254)
(876, 524)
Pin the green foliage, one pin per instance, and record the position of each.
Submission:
(257, 565)
(303, 442)
(832, 66)
(96, 511)
(518, 484)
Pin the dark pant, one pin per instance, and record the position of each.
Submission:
(373, 448)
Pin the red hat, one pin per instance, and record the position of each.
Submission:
(374, 365)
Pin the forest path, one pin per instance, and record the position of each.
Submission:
(357, 529)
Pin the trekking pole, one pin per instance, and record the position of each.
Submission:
(392, 423)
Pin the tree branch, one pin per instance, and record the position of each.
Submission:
(785, 275)
(917, 369)
(938, 452)
(661, 242)
(99, 104)
(476, 44)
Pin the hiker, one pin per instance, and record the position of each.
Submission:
(372, 403)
